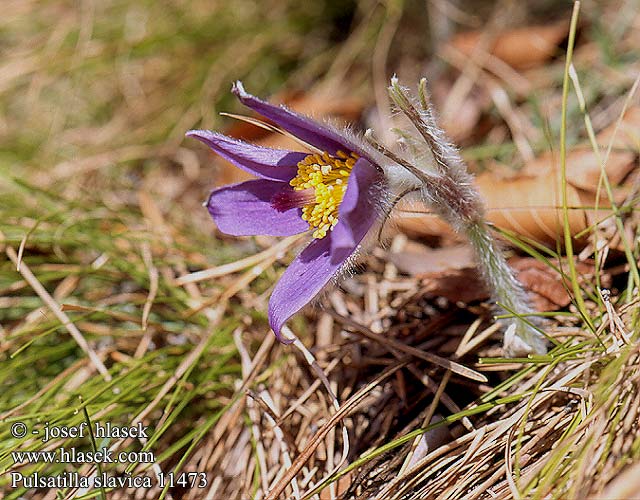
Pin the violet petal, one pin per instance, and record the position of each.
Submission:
(245, 210)
(358, 210)
(267, 163)
(322, 259)
(302, 127)
(309, 272)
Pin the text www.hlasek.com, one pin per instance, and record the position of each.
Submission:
(72, 456)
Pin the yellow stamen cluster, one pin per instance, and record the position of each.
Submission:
(327, 175)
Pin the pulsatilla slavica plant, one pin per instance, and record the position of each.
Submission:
(342, 189)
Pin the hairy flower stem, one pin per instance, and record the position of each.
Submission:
(522, 337)
(451, 194)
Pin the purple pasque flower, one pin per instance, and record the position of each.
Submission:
(335, 191)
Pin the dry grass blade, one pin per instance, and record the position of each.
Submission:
(153, 285)
(55, 308)
(238, 265)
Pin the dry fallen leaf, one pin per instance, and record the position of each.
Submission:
(583, 167)
(529, 203)
(628, 134)
(545, 286)
(546, 290)
(520, 48)
(525, 205)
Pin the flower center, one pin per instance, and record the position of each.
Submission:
(324, 178)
